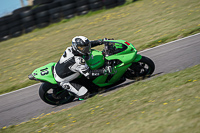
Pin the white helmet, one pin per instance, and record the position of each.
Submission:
(81, 44)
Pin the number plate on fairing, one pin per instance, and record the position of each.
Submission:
(45, 73)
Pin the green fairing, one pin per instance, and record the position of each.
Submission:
(138, 58)
(126, 55)
(96, 59)
(100, 81)
(45, 73)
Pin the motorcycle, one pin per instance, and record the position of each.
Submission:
(119, 54)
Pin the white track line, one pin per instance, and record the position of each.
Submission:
(19, 89)
(138, 52)
(169, 43)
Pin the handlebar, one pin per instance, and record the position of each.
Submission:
(108, 49)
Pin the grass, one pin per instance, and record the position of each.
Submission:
(144, 23)
(154, 106)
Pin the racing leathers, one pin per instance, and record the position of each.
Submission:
(70, 66)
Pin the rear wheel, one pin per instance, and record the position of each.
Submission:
(54, 95)
(141, 69)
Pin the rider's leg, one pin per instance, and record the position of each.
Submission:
(77, 89)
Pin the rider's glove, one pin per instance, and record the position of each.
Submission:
(105, 39)
(108, 39)
(101, 41)
(107, 70)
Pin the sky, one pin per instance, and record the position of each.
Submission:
(7, 6)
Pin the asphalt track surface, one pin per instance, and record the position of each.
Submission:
(24, 104)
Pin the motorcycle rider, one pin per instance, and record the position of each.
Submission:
(72, 64)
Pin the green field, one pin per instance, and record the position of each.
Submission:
(145, 23)
(151, 106)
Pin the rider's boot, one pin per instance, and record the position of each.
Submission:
(81, 98)
(78, 90)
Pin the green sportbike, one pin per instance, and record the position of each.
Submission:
(119, 54)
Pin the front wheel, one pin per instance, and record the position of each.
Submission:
(54, 94)
(141, 69)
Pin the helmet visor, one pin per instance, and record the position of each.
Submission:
(84, 49)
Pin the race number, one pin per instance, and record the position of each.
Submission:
(44, 71)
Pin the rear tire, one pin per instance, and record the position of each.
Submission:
(141, 69)
(54, 95)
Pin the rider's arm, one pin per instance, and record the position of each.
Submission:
(83, 68)
(96, 42)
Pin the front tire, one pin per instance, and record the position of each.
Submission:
(54, 95)
(141, 69)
